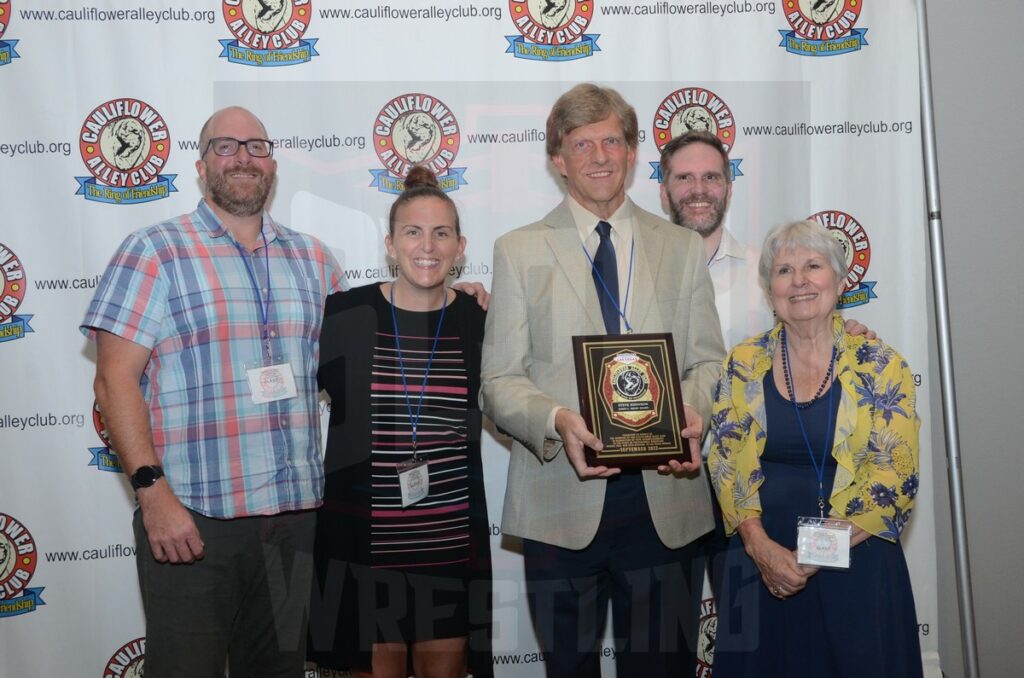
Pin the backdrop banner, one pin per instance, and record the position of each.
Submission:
(102, 107)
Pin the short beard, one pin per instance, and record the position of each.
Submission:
(238, 205)
(703, 229)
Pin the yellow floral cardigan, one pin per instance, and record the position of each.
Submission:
(876, 437)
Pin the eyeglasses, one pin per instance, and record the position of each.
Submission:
(227, 146)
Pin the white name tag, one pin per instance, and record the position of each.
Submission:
(413, 481)
(271, 382)
(823, 542)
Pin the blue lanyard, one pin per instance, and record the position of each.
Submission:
(818, 468)
(629, 282)
(264, 307)
(414, 419)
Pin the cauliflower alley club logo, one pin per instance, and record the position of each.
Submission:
(128, 661)
(416, 129)
(854, 239)
(694, 109)
(18, 558)
(103, 458)
(12, 275)
(631, 390)
(268, 32)
(552, 30)
(6, 46)
(822, 27)
(125, 144)
(707, 632)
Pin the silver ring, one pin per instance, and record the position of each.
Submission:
(776, 590)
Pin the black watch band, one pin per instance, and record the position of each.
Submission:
(145, 476)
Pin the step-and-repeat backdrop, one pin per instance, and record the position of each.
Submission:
(101, 108)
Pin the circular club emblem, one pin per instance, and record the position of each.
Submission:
(5, 16)
(551, 22)
(124, 143)
(692, 109)
(630, 383)
(267, 24)
(854, 239)
(12, 275)
(416, 129)
(127, 661)
(17, 557)
(707, 632)
(99, 424)
(821, 19)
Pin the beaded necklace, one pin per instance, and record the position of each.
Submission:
(789, 379)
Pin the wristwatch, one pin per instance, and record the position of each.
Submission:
(145, 476)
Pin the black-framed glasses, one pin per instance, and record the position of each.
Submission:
(227, 146)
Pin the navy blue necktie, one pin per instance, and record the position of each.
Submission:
(606, 270)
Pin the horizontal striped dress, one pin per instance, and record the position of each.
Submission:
(387, 573)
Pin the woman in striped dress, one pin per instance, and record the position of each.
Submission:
(402, 548)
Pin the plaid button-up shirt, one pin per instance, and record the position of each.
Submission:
(182, 289)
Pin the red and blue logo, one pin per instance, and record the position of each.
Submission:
(416, 129)
(6, 46)
(822, 27)
(552, 30)
(854, 239)
(268, 32)
(12, 281)
(18, 559)
(128, 661)
(103, 458)
(125, 144)
(691, 109)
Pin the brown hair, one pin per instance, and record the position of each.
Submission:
(586, 104)
(694, 137)
(421, 182)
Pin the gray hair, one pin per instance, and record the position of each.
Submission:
(805, 234)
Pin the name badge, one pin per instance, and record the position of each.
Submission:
(271, 382)
(823, 542)
(413, 481)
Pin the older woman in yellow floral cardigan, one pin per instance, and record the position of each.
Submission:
(814, 457)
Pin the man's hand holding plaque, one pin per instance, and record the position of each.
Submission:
(575, 437)
(694, 427)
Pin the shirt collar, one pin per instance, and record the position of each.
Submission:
(621, 220)
(271, 231)
(730, 247)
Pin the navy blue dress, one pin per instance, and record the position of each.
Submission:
(845, 623)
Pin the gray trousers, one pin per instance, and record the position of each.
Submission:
(243, 606)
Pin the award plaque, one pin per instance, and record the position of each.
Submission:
(630, 398)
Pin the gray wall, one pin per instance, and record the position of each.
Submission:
(977, 57)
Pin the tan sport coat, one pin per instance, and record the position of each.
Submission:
(544, 295)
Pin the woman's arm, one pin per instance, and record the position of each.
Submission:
(779, 570)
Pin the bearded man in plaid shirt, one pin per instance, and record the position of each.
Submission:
(206, 328)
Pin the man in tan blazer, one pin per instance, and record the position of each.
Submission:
(591, 534)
